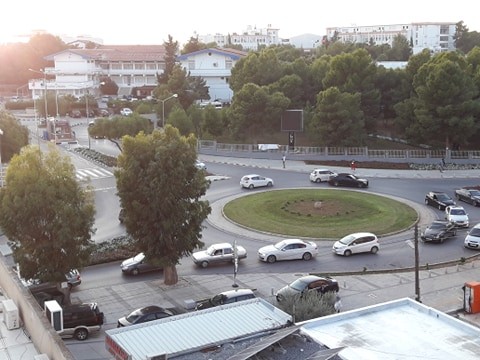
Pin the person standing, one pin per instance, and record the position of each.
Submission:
(353, 165)
(284, 159)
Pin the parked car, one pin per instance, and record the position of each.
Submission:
(308, 283)
(356, 243)
(289, 249)
(145, 314)
(75, 113)
(200, 165)
(438, 231)
(218, 253)
(457, 215)
(438, 199)
(126, 112)
(471, 196)
(226, 297)
(72, 277)
(80, 320)
(319, 175)
(472, 240)
(346, 179)
(253, 180)
(137, 265)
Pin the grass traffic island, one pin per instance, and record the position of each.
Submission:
(320, 213)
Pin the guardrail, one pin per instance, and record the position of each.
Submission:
(271, 151)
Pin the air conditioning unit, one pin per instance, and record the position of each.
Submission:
(54, 313)
(11, 317)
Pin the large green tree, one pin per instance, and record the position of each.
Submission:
(15, 136)
(46, 214)
(338, 119)
(160, 190)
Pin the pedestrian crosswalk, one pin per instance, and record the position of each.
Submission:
(93, 173)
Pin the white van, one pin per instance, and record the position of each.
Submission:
(356, 243)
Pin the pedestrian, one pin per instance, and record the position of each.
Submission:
(353, 165)
(284, 158)
(443, 162)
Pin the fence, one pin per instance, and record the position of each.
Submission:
(419, 156)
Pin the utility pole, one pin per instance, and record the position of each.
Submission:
(417, 275)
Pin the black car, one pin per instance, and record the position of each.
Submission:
(145, 314)
(80, 320)
(138, 264)
(226, 297)
(471, 196)
(438, 199)
(346, 179)
(306, 283)
(438, 231)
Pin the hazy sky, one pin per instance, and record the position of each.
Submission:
(151, 21)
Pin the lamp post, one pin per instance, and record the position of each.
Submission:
(46, 104)
(88, 124)
(163, 108)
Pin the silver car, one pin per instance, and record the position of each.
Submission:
(253, 180)
(218, 253)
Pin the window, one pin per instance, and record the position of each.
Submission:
(139, 66)
(128, 66)
(191, 64)
(151, 66)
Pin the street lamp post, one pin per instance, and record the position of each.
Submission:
(45, 98)
(163, 108)
(86, 108)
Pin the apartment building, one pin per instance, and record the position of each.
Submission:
(437, 37)
(80, 71)
(250, 39)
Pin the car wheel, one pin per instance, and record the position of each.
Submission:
(251, 186)
(204, 264)
(441, 240)
(347, 253)
(318, 180)
(360, 185)
(475, 203)
(374, 250)
(307, 256)
(269, 184)
(440, 207)
(271, 259)
(454, 232)
(135, 272)
(426, 202)
(81, 334)
(457, 196)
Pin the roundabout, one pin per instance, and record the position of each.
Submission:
(320, 213)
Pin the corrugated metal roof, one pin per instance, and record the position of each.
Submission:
(400, 329)
(200, 329)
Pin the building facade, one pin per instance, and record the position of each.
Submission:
(250, 39)
(436, 37)
(214, 65)
(79, 72)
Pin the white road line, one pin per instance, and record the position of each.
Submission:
(93, 173)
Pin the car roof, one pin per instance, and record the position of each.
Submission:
(456, 207)
(321, 169)
(238, 292)
(310, 278)
(251, 175)
(292, 241)
(360, 234)
(148, 309)
(221, 245)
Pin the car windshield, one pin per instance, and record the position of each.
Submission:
(457, 212)
(279, 245)
(217, 300)
(443, 197)
(474, 192)
(210, 250)
(475, 232)
(133, 317)
(437, 225)
(346, 240)
(139, 257)
(298, 285)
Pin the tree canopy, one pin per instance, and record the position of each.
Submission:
(160, 190)
(15, 136)
(46, 214)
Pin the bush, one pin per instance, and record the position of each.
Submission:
(309, 305)
(118, 248)
(96, 156)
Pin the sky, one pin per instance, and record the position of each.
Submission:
(149, 22)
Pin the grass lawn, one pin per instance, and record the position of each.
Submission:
(325, 214)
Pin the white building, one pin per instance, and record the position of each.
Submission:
(437, 37)
(80, 71)
(214, 65)
(250, 39)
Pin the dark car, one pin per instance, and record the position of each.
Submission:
(80, 320)
(470, 196)
(438, 199)
(138, 264)
(226, 297)
(346, 179)
(438, 231)
(145, 314)
(308, 283)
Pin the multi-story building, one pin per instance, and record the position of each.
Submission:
(214, 66)
(80, 71)
(437, 37)
(250, 39)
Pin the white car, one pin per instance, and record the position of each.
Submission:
(218, 253)
(253, 180)
(457, 215)
(472, 240)
(319, 175)
(126, 112)
(200, 165)
(289, 249)
(356, 243)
